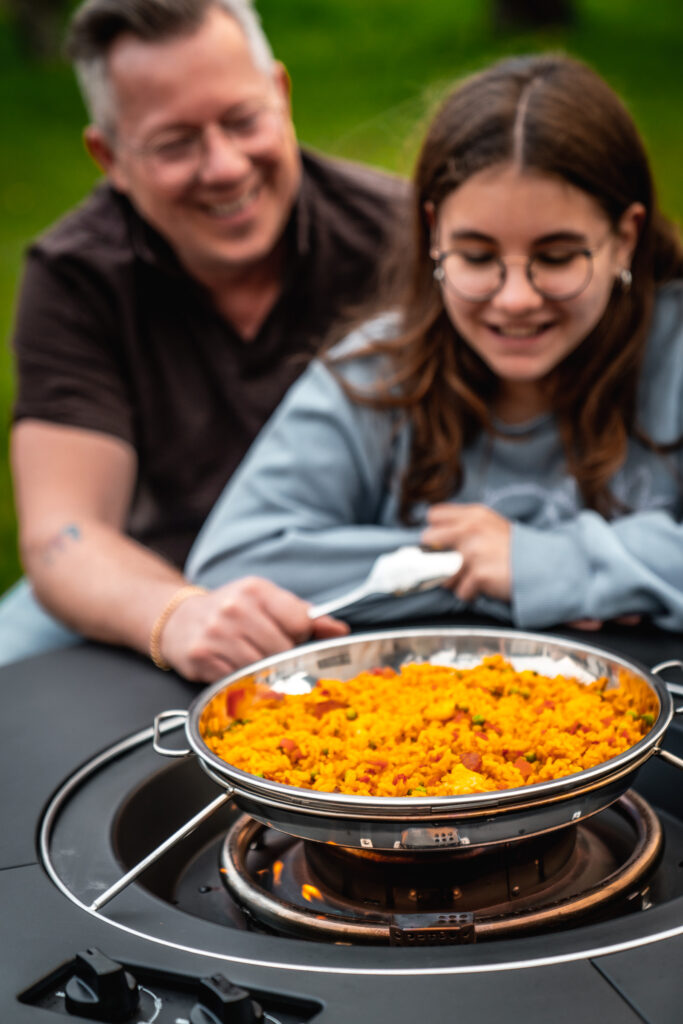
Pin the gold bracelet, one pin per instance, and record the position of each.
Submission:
(158, 627)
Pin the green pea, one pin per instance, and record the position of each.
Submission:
(237, 721)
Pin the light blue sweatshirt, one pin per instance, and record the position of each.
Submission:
(316, 501)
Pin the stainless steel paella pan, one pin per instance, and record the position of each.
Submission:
(423, 822)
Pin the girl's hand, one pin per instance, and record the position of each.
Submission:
(482, 537)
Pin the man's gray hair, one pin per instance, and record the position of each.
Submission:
(97, 24)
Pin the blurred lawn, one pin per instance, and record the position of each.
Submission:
(365, 76)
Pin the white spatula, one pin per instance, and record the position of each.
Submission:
(403, 571)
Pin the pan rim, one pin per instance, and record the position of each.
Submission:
(353, 806)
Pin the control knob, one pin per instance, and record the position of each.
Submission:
(101, 989)
(221, 1002)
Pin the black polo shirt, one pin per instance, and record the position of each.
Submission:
(113, 335)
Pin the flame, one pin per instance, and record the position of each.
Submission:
(277, 871)
(309, 892)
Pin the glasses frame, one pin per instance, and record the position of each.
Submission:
(439, 256)
(151, 153)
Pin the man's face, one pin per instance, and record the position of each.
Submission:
(204, 145)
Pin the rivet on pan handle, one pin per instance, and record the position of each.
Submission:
(181, 717)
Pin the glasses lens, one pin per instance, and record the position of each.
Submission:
(562, 274)
(181, 152)
(254, 129)
(472, 276)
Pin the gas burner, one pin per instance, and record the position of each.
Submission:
(333, 893)
(580, 887)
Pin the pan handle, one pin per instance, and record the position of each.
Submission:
(677, 690)
(674, 688)
(180, 717)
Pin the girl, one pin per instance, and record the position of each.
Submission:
(521, 401)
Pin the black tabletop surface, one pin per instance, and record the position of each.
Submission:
(60, 709)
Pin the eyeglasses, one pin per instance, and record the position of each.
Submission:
(560, 272)
(182, 151)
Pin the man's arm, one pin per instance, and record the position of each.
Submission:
(73, 489)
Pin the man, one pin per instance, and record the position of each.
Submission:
(160, 324)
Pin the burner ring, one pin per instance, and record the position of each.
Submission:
(282, 915)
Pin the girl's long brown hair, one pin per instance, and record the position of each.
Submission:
(555, 115)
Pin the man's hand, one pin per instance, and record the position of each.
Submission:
(73, 491)
(211, 635)
(482, 537)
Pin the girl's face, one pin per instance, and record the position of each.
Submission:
(516, 216)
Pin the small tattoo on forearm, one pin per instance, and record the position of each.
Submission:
(59, 544)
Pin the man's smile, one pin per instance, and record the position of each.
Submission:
(230, 208)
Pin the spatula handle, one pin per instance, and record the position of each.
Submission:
(316, 611)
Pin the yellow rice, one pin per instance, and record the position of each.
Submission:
(430, 730)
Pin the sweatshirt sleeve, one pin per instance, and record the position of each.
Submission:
(591, 568)
(306, 507)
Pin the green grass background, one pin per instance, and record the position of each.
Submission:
(365, 73)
